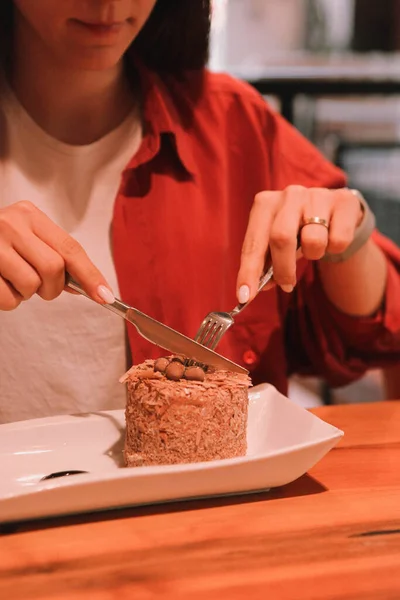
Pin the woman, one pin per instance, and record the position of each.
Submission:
(117, 144)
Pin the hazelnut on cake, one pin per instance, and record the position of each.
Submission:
(177, 414)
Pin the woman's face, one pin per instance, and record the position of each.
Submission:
(82, 34)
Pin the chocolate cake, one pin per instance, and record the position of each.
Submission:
(177, 414)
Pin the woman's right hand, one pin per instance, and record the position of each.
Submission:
(35, 254)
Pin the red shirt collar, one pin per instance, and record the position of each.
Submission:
(162, 118)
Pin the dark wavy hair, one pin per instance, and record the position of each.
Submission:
(174, 39)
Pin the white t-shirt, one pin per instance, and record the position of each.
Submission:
(63, 356)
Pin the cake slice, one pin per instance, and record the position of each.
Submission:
(177, 414)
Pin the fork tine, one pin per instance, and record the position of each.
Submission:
(204, 330)
(199, 338)
(212, 340)
(202, 336)
(209, 335)
(201, 330)
(218, 337)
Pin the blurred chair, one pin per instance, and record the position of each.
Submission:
(376, 26)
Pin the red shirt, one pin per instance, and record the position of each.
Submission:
(210, 144)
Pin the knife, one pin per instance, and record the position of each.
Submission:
(162, 335)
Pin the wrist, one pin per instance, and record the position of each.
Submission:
(349, 284)
(365, 226)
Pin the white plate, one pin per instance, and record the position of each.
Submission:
(284, 441)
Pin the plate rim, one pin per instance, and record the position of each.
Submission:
(332, 434)
(151, 471)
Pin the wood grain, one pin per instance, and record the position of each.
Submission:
(333, 534)
(364, 424)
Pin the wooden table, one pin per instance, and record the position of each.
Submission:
(333, 534)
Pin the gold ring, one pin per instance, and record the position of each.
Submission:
(315, 221)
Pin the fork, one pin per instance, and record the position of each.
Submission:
(216, 324)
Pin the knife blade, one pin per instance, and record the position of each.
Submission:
(163, 336)
(177, 343)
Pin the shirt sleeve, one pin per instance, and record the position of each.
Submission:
(323, 341)
(320, 340)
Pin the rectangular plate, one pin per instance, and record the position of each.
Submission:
(284, 441)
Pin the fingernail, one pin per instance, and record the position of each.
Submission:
(244, 294)
(287, 288)
(105, 294)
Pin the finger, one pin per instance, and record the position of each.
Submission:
(344, 221)
(9, 297)
(315, 237)
(75, 258)
(272, 283)
(17, 272)
(48, 264)
(269, 286)
(284, 233)
(255, 243)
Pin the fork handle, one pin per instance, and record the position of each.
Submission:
(266, 278)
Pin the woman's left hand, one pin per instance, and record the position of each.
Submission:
(275, 221)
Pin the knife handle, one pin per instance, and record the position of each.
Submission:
(118, 307)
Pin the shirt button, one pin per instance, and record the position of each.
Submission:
(249, 358)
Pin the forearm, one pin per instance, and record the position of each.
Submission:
(356, 286)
